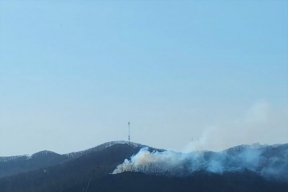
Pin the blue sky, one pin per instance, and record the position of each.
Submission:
(73, 73)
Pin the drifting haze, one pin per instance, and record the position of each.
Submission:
(261, 123)
(211, 74)
(252, 158)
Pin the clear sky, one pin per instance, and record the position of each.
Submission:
(186, 74)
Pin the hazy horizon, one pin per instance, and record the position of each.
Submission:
(187, 74)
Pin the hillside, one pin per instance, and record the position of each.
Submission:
(18, 164)
(63, 175)
(243, 168)
(23, 163)
(198, 182)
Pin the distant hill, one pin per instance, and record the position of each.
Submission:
(23, 163)
(198, 182)
(103, 159)
(18, 164)
(91, 170)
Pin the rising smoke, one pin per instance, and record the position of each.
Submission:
(268, 161)
(262, 122)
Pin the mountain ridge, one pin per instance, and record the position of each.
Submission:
(111, 143)
(12, 165)
(101, 161)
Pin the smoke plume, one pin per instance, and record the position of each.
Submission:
(262, 122)
(268, 161)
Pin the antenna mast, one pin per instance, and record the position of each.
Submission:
(129, 131)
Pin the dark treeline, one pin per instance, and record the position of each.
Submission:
(91, 173)
(198, 182)
(59, 177)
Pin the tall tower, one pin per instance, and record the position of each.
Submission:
(129, 131)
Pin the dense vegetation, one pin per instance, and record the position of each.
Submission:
(23, 163)
(59, 177)
(90, 172)
(198, 182)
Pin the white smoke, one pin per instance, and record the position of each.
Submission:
(262, 122)
(146, 161)
(254, 158)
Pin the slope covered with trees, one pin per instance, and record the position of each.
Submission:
(61, 176)
(90, 171)
(198, 182)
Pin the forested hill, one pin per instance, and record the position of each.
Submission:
(23, 163)
(77, 170)
(90, 170)
(200, 181)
